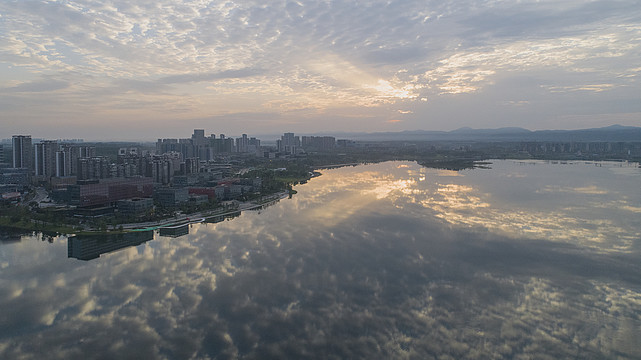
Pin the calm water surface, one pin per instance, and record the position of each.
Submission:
(392, 260)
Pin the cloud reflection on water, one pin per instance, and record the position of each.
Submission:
(365, 262)
(464, 201)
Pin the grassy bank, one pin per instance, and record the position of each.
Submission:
(34, 225)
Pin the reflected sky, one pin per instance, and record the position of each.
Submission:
(391, 260)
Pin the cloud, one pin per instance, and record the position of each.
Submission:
(228, 74)
(37, 86)
(324, 56)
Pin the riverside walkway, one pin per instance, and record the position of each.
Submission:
(200, 216)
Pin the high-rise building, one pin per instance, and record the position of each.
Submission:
(162, 171)
(63, 165)
(288, 143)
(45, 159)
(167, 145)
(67, 158)
(192, 166)
(223, 144)
(186, 148)
(198, 137)
(242, 144)
(97, 167)
(22, 152)
(200, 144)
(206, 148)
(254, 146)
(318, 142)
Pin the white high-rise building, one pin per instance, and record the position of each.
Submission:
(22, 152)
(289, 143)
(45, 158)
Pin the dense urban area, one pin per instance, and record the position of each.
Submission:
(72, 186)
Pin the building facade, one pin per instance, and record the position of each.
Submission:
(22, 152)
(109, 191)
(45, 159)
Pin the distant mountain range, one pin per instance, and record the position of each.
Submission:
(612, 133)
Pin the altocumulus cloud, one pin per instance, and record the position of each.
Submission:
(308, 60)
(37, 86)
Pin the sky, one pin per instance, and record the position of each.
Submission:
(147, 69)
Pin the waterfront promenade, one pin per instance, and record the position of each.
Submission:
(199, 216)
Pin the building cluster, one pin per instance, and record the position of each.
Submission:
(195, 170)
(581, 148)
(47, 160)
(292, 144)
(208, 147)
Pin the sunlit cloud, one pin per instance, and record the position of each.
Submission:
(636, 209)
(386, 90)
(590, 190)
(516, 103)
(198, 59)
(441, 172)
(594, 88)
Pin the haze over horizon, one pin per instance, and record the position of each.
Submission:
(136, 70)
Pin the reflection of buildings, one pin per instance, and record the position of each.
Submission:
(175, 231)
(89, 247)
(10, 236)
(221, 218)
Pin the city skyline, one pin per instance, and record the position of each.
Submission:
(146, 70)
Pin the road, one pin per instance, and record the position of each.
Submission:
(195, 217)
(40, 196)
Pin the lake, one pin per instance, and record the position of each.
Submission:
(526, 259)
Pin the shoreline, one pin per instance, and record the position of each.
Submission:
(124, 228)
(68, 229)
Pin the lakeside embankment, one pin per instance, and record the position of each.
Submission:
(7, 222)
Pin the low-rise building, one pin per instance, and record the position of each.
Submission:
(221, 191)
(255, 183)
(109, 191)
(10, 197)
(135, 206)
(171, 197)
(17, 177)
(58, 183)
(210, 192)
(198, 199)
(186, 180)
